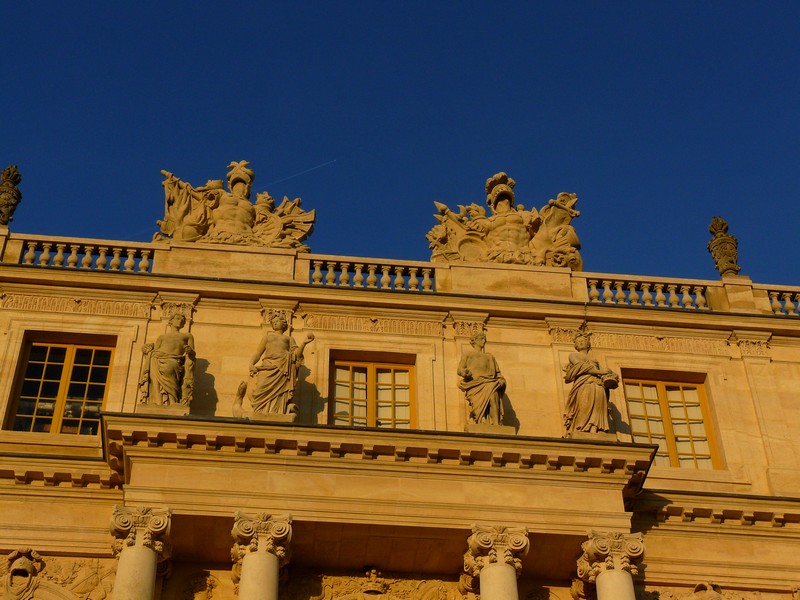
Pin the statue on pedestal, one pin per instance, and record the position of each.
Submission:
(168, 371)
(587, 403)
(10, 195)
(482, 383)
(274, 367)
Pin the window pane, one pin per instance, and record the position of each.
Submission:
(650, 392)
(360, 374)
(384, 376)
(402, 377)
(384, 394)
(83, 356)
(402, 394)
(98, 375)
(360, 391)
(653, 409)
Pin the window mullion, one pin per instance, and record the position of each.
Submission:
(63, 386)
(372, 395)
(666, 419)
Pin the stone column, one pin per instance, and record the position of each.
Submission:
(140, 543)
(260, 550)
(495, 555)
(609, 561)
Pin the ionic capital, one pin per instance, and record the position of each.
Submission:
(142, 526)
(610, 550)
(262, 532)
(490, 544)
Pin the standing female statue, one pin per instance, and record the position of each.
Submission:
(587, 403)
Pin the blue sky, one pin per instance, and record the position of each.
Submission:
(659, 115)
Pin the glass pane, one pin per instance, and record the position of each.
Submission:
(30, 388)
(650, 392)
(342, 390)
(681, 429)
(70, 425)
(22, 424)
(653, 409)
(42, 425)
(102, 358)
(53, 372)
(686, 461)
(402, 394)
(661, 460)
(359, 409)
(80, 374)
(402, 412)
(657, 426)
(76, 390)
(360, 391)
(676, 411)
(45, 408)
(384, 376)
(91, 410)
(402, 378)
(698, 430)
(632, 390)
(384, 411)
(38, 353)
(702, 447)
(95, 392)
(34, 371)
(342, 374)
(684, 446)
(99, 375)
(704, 462)
(57, 354)
(26, 406)
(638, 425)
(49, 389)
(635, 408)
(83, 356)
(690, 395)
(360, 374)
(384, 394)
(694, 412)
(73, 409)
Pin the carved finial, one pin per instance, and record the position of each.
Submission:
(10, 196)
(723, 248)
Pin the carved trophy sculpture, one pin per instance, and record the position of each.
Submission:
(167, 377)
(273, 371)
(211, 214)
(587, 403)
(723, 247)
(511, 234)
(10, 195)
(482, 383)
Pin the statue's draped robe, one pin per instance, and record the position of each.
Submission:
(167, 370)
(483, 389)
(275, 380)
(587, 404)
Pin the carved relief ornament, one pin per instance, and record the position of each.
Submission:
(723, 248)
(62, 304)
(375, 325)
(610, 550)
(142, 526)
(491, 544)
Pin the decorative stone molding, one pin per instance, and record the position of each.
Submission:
(750, 347)
(305, 585)
(562, 335)
(490, 544)
(62, 304)
(21, 577)
(144, 526)
(253, 532)
(610, 550)
(375, 325)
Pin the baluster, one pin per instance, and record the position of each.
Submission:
(116, 263)
(633, 297)
(700, 298)
(608, 295)
(386, 280)
(144, 264)
(330, 277)
(797, 301)
(344, 276)
(372, 279)
(44, 257)
(130, 263)
(102, 261)
(413, 282)
(358, 279)
(788, 306)
(316, 276)
(30, 255)
(673, 295)
(687, 301)
(58, 259)
(399, 280)
(86, 261)
(775, 303)
(72, 261)
(427, 283)
(594, 295)
(661, 299)
(647, 296)
(619, 297)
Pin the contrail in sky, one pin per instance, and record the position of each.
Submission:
(325, 164)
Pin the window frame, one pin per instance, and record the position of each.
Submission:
(682, 381)
(395, 363)
(71, 343)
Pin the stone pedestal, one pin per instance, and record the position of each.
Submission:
(260, 550)
(609, 561)
(486, 428)
(141, 544)
(495, 556)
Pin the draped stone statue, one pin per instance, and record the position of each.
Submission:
(587, 403)
(212, 214)
(481, 382)
(510, 234)
(273, 368)
(168, 372)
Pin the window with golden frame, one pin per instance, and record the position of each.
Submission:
(675, 416)
(61, 388)
(367, 394)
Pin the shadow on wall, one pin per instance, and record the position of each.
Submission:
(205, 399)
(310, 403)
(509, 414)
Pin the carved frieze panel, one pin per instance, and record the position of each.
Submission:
(654, 343)
(374, 325)
(62, 304)
(370, 585)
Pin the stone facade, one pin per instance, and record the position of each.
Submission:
(371, 481)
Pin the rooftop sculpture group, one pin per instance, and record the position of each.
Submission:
(511, 234)
(211, 214)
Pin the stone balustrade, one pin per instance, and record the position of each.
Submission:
(333, 271)
(92, 255)
(655, 293)
(783, 301)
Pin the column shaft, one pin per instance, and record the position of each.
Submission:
(615, 585)
(499, 582)
(136, 574)
(259, 577)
